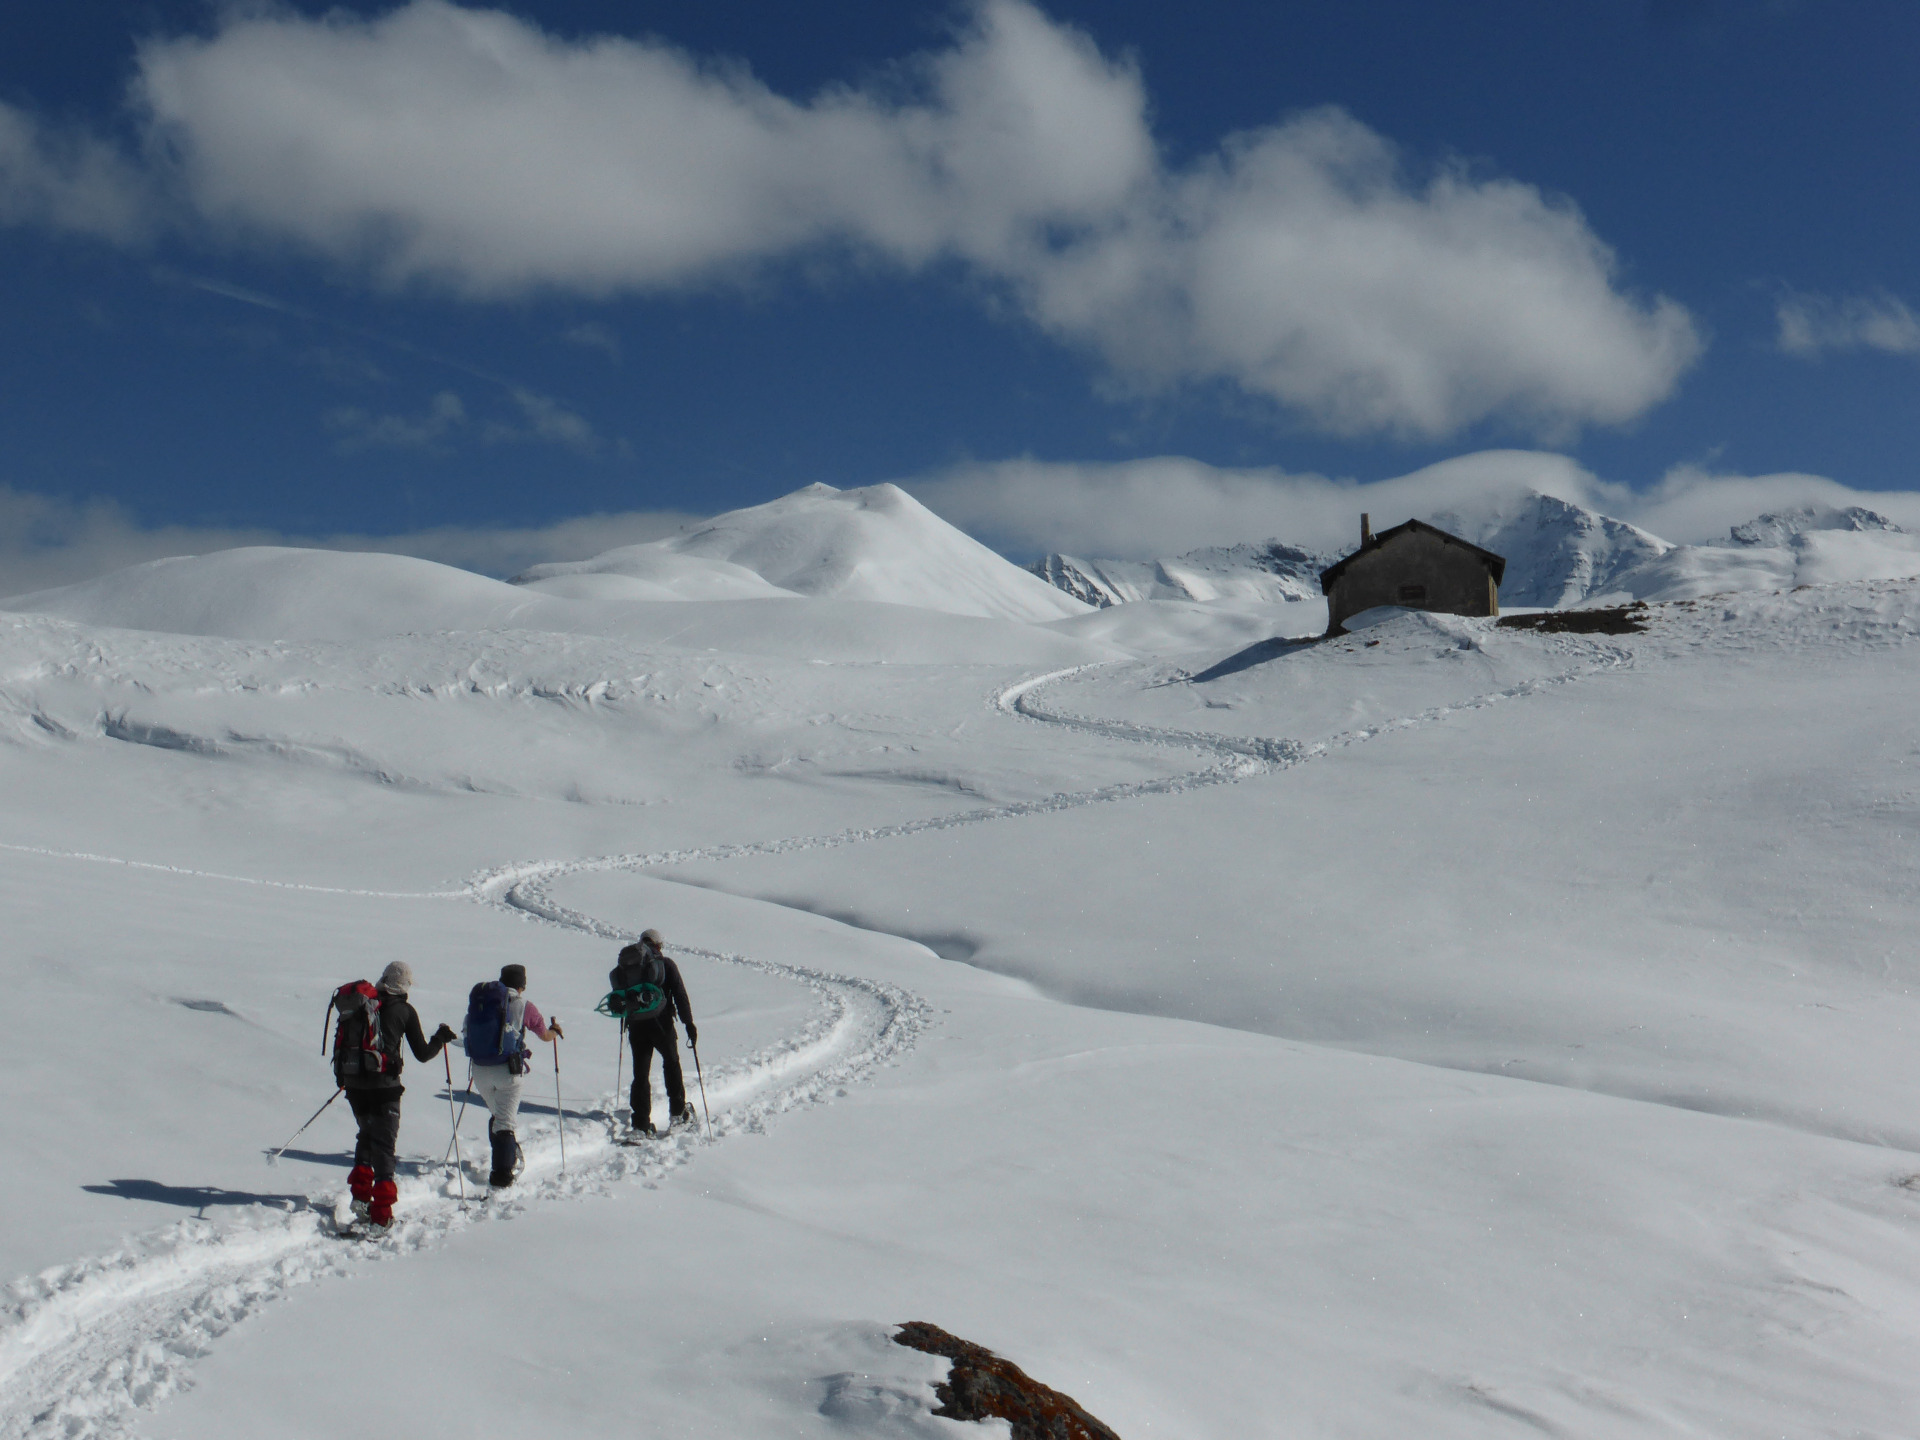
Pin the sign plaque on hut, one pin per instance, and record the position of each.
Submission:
(1415, 565)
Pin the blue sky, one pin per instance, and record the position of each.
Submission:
(429, 270)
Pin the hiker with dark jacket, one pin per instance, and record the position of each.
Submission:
(500, 1071)
(647, 964)
(375, 1098)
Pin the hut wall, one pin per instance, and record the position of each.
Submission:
(1419, 571)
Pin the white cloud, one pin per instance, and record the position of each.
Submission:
(69, 180)
(1154, 508)
(361, 430)
(1300, 263)
(547, 419)
(46, 541)
(594, 336)
(1811, 325)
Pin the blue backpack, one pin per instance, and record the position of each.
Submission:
(491, 1038)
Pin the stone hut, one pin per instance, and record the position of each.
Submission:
(1416, 565)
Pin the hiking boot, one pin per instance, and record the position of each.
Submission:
(684, 1118)
(361, 1209)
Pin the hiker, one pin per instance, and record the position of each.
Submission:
(647, 964)
(367, 1064)
(498, 1018)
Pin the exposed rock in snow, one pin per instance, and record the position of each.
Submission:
(982, 1386)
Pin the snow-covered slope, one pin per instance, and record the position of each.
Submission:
(1454, 1031)
(876, 543)
(651, 571)
(1776, 529)
(1557, 553)
(275, 593)
(1269, 573)
(1809, 546)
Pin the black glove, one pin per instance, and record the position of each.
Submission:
(444, 1034)
(693, 1033)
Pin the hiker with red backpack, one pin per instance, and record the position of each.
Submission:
(366, 1064)
(646, 992)
(498, 1018)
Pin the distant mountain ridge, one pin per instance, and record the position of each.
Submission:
(1273, 571)
(1558, 555)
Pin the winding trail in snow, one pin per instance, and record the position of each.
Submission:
(1232, 759)
(86, 1346)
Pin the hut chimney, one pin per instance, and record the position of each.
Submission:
(1366, 529)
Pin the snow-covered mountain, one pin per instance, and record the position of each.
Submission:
(818, 569)
(1557, 554)
(876, 543)
(1781, 527)
(1778, 551)
(1273, 571)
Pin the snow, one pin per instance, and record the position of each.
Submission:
(1559, 555)
(875, 543)
(1444, 1030)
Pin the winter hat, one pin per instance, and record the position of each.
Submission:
(651, 937)
(514, 977)
(397, 978)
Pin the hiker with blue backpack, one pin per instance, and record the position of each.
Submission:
(646, 993)
(374, 1019)
(499, 1015)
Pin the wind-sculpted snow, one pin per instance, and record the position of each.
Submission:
(87, 1345)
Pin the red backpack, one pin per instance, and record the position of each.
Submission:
(358, 1053)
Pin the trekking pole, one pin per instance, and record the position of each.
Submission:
(694, 1046)
(619, 1064)
(459, 1162)
(559, 1111)
(274, 1158)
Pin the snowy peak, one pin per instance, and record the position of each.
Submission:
(1779, 528)
(1557, 553)
(875, 543)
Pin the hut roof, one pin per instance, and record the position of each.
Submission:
(1495, 563)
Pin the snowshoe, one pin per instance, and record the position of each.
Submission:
(684, 1120)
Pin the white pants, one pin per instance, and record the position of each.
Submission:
(501, 1091)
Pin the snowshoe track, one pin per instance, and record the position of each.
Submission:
(84, 1347)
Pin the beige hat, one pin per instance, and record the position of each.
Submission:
(397, 978)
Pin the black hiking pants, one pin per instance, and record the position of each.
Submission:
(646, 1037)
(378, 1115)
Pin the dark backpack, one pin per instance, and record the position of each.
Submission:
(490, 1036)
(360, 1049)
(639, 988)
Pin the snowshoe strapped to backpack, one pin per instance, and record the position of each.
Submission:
(639, 989)
(636, 1002)
(359, 1050)
(496, 1029)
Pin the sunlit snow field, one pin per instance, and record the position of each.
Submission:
(1473, 1033)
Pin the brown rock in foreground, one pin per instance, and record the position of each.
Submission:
(982, 1386)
